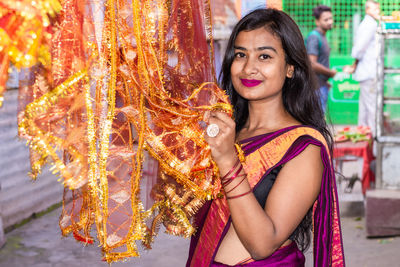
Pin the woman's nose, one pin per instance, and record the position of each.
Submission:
(250, 67)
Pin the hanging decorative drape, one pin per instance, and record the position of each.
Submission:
(25, 35)
(131, 85)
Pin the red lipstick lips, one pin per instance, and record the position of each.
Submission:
(250, 83)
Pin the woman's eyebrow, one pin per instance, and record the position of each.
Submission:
(258, 48)
(267, 48)
(239, 48)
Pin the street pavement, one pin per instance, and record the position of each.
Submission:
(38, 243)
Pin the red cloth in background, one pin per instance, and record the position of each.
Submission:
(362, 149)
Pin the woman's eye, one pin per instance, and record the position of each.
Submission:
(264, 56)
(239, 54)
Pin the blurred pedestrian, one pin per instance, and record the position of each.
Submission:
(364, 67)
(318, 50)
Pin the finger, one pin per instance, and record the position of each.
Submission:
(206, 116)
(221, 123)
(224, 117)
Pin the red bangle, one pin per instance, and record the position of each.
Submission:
(236, 185)
(230, 179)
(228, 182)
(241, 195)
(231, 170)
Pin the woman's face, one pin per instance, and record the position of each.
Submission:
(259, 68)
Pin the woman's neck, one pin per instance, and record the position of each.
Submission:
(266, 117)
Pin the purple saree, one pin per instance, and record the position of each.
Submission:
(263, 153)
(289, 256)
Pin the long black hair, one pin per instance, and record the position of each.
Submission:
(299, 93)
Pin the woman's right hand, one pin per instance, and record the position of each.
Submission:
(222, 146)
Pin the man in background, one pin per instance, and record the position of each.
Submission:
(364, 68)
(318, 50)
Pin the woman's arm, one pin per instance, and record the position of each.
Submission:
(293, 193)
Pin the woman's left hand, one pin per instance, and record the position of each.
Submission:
(222, 145)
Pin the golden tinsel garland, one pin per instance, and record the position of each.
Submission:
(122, 116)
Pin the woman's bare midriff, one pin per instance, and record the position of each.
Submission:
(231, 251)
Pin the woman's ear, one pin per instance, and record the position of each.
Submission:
(290, 71)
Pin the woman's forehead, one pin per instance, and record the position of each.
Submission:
(258, 37)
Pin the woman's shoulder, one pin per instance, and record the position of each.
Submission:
(310, 155)
(307, 130)
(304, 146)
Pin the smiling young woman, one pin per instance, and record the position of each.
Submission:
(286, 183)
(259, 68)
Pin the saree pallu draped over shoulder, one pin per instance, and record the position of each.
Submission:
(264, 153)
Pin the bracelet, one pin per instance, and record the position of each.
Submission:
(231, 170)
(230, 179)
(241, 195)
(245, 176)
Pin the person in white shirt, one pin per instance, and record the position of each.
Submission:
(364, 68)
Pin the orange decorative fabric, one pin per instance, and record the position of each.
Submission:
(131, 86)
(25, 35)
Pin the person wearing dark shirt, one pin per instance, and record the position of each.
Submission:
(318, 50)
